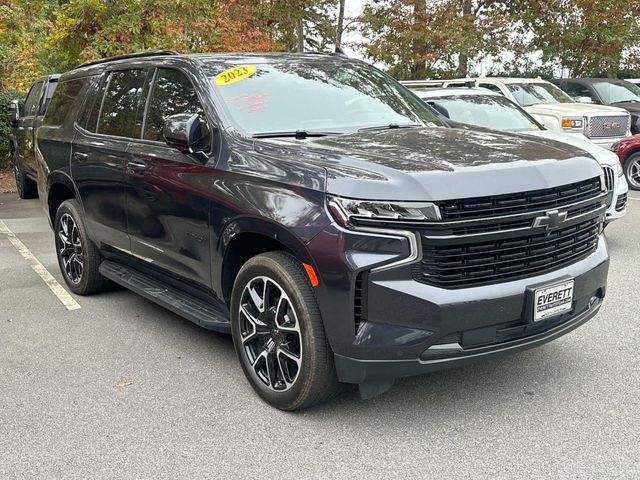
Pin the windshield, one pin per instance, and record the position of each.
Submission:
(328, 96)
(533, 93)
(617, 92)
(486, 111)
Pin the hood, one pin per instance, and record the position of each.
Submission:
(602, 155)
(435, 163)
(632, 107)
(578, 109)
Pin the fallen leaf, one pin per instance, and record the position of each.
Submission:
(124, 384)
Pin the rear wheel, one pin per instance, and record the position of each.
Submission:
(78, 257)
(25, 187)
(632, 171)
(279, 335)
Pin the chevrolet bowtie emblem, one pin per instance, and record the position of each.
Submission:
(551, 220)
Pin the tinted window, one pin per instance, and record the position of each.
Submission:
(32, 100)
(88, 119)
(315, 95)
(172, 94)
(51, 87)
(120, 104)
(576, 90)
(63, 99)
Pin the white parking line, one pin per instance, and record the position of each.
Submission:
(57, 289)
(634, 198)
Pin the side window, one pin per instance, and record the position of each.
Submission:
(88, 119)
(120, 104)
(575, 90)
(173, 93)
(492, 87)
(32, 100)
(63, 100)
(46, 98)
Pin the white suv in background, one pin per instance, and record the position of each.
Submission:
(601, 124)
(484, 108)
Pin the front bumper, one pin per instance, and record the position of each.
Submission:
(352, 370)
(412, 328)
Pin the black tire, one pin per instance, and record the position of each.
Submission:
(315, 378)
(89, 281)
(25, 187)
(632, 171)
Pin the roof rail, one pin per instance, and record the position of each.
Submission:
(148, 53)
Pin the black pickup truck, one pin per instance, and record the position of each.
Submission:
(24, 125)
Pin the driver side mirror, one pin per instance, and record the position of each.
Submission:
(14, 113)
(186, 132)
(584, 100)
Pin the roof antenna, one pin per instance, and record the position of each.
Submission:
(341, 53)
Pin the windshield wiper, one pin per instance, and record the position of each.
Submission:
(631, 100)
(301, 134)
(390, 126)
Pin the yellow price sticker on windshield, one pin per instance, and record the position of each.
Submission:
(234, 75)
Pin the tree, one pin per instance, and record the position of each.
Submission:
(580, 36)
(416, 38)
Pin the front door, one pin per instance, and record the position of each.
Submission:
(167, 206)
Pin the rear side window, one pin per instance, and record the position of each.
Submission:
(51, 87)
(63, 100)
(32, 100)
(120, 104)
(173, 93)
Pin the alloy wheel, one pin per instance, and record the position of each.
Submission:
(270, 333)
(633, 171)
(70, 249)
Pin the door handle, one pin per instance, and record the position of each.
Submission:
(136, 166)
(80, 157)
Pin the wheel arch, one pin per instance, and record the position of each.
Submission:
(59, 188)
(246, 237)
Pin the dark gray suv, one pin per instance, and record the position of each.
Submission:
(319, 212)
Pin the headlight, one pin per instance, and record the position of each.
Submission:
(619, 169)
(348, 211)
(568, 122)
(614, 147)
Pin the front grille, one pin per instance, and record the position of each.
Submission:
(606, 126)
(506, 259)
(523, 202)
(621, 203)
(609, 181)
(483, 241)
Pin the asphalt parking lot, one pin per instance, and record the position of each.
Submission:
(121, 388)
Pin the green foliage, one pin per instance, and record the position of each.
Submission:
(5, 98)
(420, 38)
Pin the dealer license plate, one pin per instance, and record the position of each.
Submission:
(551, 301)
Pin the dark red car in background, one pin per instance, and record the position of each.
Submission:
(628, 151)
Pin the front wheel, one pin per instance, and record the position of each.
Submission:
(279, 335)
(632, 171)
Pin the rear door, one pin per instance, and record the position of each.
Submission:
(168, 209)
(99, 154)
(25, 132)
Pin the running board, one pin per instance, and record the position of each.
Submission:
(179, 302)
